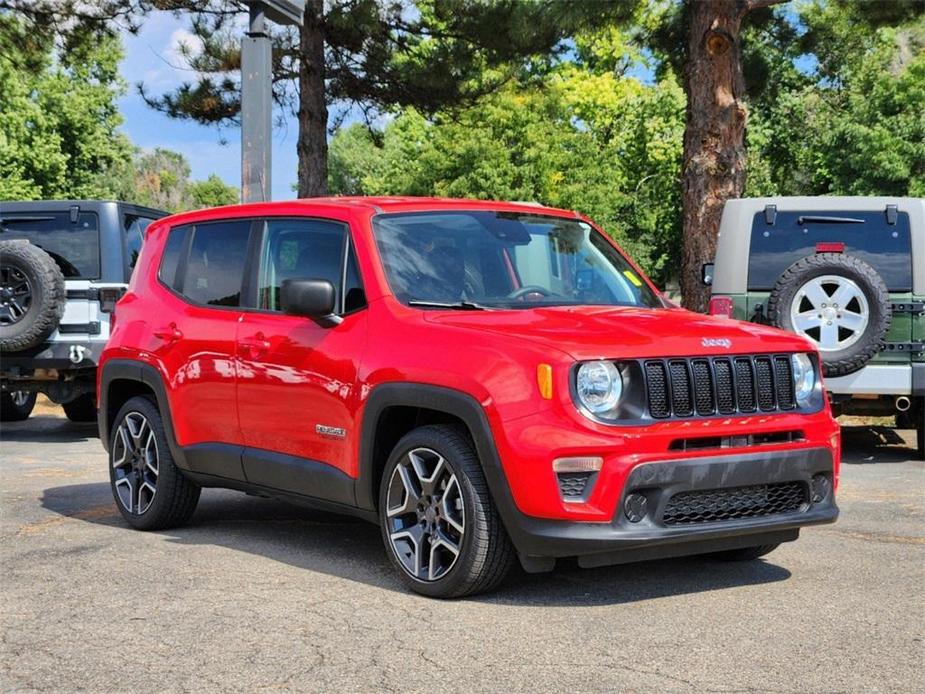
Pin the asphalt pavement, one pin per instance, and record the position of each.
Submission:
(258, 595)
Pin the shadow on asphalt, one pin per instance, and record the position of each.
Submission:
(869, 444)
(48, 429)
(352, 549)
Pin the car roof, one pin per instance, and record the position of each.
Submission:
(65, 205)
(371, 205)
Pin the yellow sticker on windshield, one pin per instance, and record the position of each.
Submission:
(631, 276)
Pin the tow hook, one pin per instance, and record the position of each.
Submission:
(77, 353)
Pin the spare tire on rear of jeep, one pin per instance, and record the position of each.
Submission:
(837, 301)
(32, 295)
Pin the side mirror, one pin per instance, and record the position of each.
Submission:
(706, 273)
(311, 298)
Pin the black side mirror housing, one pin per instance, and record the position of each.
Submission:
(312, 298)
(706, 273)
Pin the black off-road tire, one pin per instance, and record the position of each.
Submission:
(11, 411)
(855, 356)
(486, 554)
(47, 303)
(81, 409)
(745, 553)
(175, 500)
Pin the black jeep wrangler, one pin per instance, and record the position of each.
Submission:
(63, 266)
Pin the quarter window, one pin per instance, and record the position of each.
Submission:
(134, 227)
(170, 259)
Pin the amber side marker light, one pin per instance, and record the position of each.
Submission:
(544, 380)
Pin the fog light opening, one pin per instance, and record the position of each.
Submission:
(820, 487)
(576, 477)
(635, 507)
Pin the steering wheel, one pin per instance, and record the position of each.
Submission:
(529, 289)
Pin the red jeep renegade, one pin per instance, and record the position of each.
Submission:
(483, 380)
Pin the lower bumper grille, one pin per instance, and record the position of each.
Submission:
(713, 505)
(572, 485)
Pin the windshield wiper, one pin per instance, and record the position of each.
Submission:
(454, 305)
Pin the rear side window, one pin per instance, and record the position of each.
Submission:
(134, 227)
(215, 267)
(865, 235)
(170, 259)
(74, 246)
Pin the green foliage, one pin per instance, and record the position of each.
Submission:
(58, 114)
(160, 179)
(213, 192)
(602, 144)
(855, 126)
(426, 54)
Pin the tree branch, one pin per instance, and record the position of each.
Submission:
(758, 4)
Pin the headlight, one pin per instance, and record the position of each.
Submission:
(804, 378)
(599, 386)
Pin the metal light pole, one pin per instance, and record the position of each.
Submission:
(257, 94)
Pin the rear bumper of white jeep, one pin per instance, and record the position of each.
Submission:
(881, 379)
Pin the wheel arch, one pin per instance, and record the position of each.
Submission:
(394, 409)
(122, 379)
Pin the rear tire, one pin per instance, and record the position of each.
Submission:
(745, 553)
(16, 406)
(440, 527)
(149, 490)
(81, 409)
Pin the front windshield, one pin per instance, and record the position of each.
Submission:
(504, 260)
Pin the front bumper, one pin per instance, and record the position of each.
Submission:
(539, 541)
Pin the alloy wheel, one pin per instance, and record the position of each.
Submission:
(135, 463)
(830, 310)
(425, 514)
(19, 397)
(15, 295)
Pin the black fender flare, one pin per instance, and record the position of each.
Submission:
(148, 375)
(446, 400)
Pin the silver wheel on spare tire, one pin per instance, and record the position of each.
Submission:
(837, 301)
(32, 295)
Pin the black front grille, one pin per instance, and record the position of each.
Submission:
(718, 385)
(713, 505)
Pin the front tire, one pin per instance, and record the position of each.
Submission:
(16, 406)
(439, 524)
(149, 490)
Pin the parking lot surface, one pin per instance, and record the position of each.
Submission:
(258, 595)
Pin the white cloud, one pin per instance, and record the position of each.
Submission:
(181, 41)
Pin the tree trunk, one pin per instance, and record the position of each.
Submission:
(313, 109)
(714, 136)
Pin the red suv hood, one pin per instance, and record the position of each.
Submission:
(592, 332)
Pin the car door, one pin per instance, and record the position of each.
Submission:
(297, 391)
(204, 266)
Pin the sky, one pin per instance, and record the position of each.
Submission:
(152, 57)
